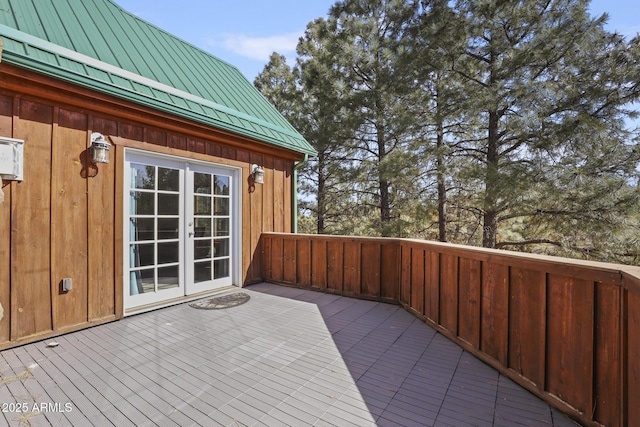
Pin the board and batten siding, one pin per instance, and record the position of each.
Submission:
(65, 219)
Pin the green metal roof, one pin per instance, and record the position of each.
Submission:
(97, 44)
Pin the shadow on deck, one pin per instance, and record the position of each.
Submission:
(286, 357)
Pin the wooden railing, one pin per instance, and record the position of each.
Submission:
(567, 330)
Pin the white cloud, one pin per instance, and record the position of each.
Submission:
(260, 48)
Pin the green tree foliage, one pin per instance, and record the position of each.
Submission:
(433, 45)
(327, 129)
(548, 80)
(308, 96)
(483, 122)
(279, 85)
(368, 53)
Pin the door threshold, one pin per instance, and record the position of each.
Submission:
(179, 300)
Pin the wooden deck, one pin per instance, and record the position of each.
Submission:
(286, 357)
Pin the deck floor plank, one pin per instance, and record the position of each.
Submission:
(287, 357)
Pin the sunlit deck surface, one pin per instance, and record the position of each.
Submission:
(286, 357)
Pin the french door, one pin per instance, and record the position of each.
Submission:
(208, 242)
(178, 228)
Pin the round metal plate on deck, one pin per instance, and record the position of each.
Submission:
(224, 301)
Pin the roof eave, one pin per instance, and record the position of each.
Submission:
(298, 144)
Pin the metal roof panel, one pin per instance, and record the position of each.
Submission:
(97, 44)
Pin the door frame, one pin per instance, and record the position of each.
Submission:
(235, 172)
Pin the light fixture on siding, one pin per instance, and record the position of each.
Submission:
(258, 174)
(99, 148)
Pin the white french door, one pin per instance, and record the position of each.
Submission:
(208, 259)
(179, 228)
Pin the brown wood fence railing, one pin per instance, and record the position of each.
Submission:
(567, 330)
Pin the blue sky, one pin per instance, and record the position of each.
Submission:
(246, 32)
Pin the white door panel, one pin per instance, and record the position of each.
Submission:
(179, 222)
(209, 243)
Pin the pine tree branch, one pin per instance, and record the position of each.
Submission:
(500, 245)
(472, 79)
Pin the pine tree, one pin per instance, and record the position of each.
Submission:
(501, 122)
(544, 76)
(434, 44)
(279, 86)
(309, 97)
(364, 42)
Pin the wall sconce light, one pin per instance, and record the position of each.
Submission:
(258, 174)
(99, 148)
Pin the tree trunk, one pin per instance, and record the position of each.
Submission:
(490, 226)
(322, 204)
(383, 184)
(385, 208)
(440, 165)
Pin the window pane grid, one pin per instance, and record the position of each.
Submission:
(154, 240)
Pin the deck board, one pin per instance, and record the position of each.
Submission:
(287, 357)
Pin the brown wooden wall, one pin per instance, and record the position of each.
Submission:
(65, 218)
(343, 265)
(567, 330)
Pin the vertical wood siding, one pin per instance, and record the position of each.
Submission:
(64, 219)
(69, 217)
(348, 266)
(631, 367)
(102, 265)
(6, 130)
(31, 290)
(567, 330)
(527, 323)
